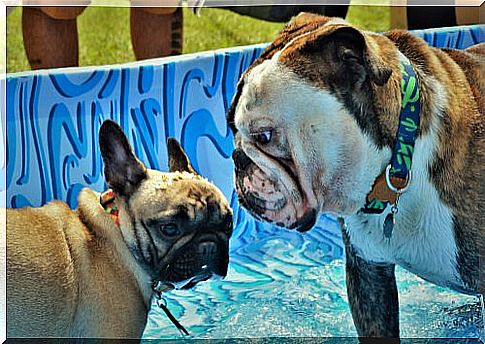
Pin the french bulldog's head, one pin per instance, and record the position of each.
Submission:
(176, 224)
(306, 135)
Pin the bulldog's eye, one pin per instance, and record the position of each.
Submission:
(263, 137)
(170, 230)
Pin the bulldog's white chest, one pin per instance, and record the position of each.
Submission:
(422, 241)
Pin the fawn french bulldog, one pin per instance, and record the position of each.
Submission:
(89, 272)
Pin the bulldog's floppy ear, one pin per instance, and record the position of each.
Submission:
(298, 25)
(178, 161)
(123, 171)
(353, 49)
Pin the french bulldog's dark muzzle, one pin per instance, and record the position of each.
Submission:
(205, 256)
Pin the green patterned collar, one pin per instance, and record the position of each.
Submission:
(395, 179)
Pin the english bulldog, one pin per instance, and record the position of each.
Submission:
(384, 132)
(91, 272)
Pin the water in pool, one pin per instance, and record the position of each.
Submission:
(286, 284)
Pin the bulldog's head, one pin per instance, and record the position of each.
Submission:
(176, 224)
(310, 129)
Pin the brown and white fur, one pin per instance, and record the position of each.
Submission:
(77, 274)
(327, 95)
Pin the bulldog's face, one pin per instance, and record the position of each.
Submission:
(177, 224)
(301, 147)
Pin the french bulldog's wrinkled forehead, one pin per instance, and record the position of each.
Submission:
(163, 181)
(177, 187)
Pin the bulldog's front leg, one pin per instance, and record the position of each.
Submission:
(373, 298)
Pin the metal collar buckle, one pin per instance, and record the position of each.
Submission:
(391, 186)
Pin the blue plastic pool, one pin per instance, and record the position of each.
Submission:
(283, 284)
(280, 283)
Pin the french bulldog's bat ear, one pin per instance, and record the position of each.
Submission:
(178, 161)
(353, 49)
(123, 171)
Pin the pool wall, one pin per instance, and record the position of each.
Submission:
(53, 118)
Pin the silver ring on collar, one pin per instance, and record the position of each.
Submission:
(392, 187)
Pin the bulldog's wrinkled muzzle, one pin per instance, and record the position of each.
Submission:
(269, 200)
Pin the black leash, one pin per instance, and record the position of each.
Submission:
(172, 319)
(158, 288)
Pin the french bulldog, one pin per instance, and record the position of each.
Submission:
(89, 272)
(322, 119)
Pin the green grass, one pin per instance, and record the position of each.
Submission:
(104, 33)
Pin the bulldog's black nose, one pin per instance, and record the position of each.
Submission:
(241, 160)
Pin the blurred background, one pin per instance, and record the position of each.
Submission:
(48, 37)
(104, 32)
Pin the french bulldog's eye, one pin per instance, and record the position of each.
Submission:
(170, 230)
(263, 137)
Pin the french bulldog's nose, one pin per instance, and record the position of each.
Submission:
(241, 160)
(207, 248)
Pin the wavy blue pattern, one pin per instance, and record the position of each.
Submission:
(277, 277)
(199, 124)
(459, 37)
(187, 99)
(197, 75)
(69, 89)
(35, 124)
(110, 84)
(11, 117)
(145, 79)
(24, 176)
(60, 121)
